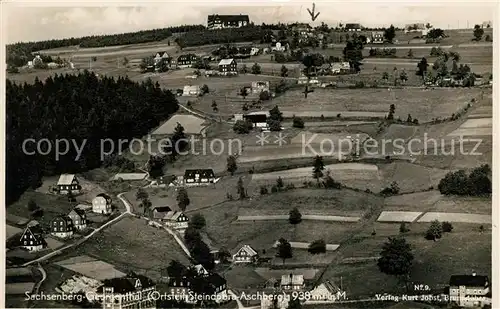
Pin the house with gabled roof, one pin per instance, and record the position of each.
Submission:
(325, 292)
(32, 238)
(135, 291)
(186, 60)
(79, 218)
(292, 282)
(245, 254)
(159, 212)
(470, 290)
(68, 183)
(176, 219)
(228, 67)
(62, 226)
(101, 204)
(199, 176)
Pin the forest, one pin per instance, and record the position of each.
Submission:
(19, 54)
(77, 108)
(224, 36)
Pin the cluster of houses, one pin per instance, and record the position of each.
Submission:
(65, 225)
(216, 21)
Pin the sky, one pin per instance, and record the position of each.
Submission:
(27, 22)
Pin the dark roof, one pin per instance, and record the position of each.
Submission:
(126, 284)
(228, 18)
(177, 280)
(216, 280)
(256, 117)
(207, 173)
(79, 212)
(66, 218)
(162, 209)
(107, 197)
(468, 280)
(352, 26)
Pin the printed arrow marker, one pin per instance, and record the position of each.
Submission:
(313, 17)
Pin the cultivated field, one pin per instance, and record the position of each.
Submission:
(91, 268)
(398, 216)
(191, 124)
(455, 217)
(11, 231)
(304, 217)
(132, 245)
(474, 127)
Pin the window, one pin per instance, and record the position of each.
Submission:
(25, 242)
(31, 242)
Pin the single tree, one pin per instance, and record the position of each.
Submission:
(298, 122)
(284, 249)
(231, 164)
(146, 205)
(409, 119)
(403, 228)
(244, 69)
(390, 34)
(318, 167)
(422, 67)
(396, 258)
(256, 69)
(317, 247)
(385, 76)
(182, 199)
(241, 189)
(392, 110)
(214, 106)
(275, 114)
(284, 71)
(204, 89)
(435, 231)
(478, 32)
(403, 76)
(295, 217)
(197, 222)
(279, 183)
(176, 269)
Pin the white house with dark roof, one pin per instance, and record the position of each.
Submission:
(228, 67)
(191, 91)
(68, 183)
(62, 227)
(176, 219)
(199, 176)
(101, 204)
(246, 254)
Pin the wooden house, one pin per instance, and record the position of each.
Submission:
(101, 204)
(199, 176)
(176, 219)
(68, 183)
(228, 67)
(79, 218)
(62, 227)
(32, 238)
(246, 254)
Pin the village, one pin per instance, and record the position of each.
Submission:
(236, 212)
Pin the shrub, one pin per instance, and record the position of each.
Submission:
(298, 122)
(274, 189)
(447, 227)
(403, 229)
(263, 190)
(474, 184)
(392, 190)
(242, 126)
(295, 216)
(435, 231)
(317, 247)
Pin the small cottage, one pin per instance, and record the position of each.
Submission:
(199, 176)
(32, 238)
(101, 204)
(79, 218)
(62, 227)
(246, 254)
(68, 183)
(176, 219)
(325, 292)
(228, 67)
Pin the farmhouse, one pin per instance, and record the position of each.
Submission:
(326, 291)
(227, 21)
(192, 91)
(176, 219)
(340, 67)
(216, 286)
(62, 226)
(292, 282)
(469, 290)
(79, 218)
(161, 56)
(127, 292)
(258, 87)
(179, 287)
(246, 254)
(258, 120)
(186, 61)
(377, 37)
(101, 204)
(199, 176)
(32, 238)
(352, 27)
(228, 67)
(160, 212)
(68, 183)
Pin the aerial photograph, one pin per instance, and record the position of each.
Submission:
(249, 155)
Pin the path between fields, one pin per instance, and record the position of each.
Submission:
(44, 276)
(85, 238)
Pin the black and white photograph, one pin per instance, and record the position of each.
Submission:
(249, 154)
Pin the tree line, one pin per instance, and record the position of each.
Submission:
(77, 108)
(224, 36)
(20, 53)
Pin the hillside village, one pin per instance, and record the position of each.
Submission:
(267, 184)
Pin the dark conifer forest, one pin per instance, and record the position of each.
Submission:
(75, 107)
